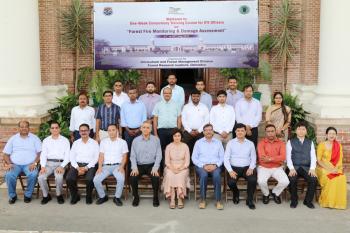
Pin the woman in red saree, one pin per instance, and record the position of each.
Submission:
(330, 172)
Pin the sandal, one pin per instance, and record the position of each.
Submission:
(180, 203)
(172, 204)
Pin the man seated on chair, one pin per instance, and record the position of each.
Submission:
(21, 154)
(208, 156)
(240, 161)
(112, 160)
(83, 159)
(53, 159)
(301, 162)
(271, 156)
(145, 157)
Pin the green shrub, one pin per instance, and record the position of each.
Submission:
(60, 114)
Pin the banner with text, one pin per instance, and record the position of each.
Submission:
(221, 34)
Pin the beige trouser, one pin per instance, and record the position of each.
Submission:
(224, 141)
(278, 173)
(42, 179)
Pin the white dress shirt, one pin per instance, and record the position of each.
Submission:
(113, 151)
(80, 116)
(222, 117)
(248, 112)
(289, 156)
(194, 117)
(120, 99)
(84, 153)
(55, 149)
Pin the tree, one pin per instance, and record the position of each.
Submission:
(76, 32)
(287, 24)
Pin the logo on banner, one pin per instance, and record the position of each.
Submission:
(108, 11)
(175, 11)
(244, 9)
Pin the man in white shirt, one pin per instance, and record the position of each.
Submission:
(222, 117)
(193, 117)
(81, 114)
(53, 159)
(112, 160)
(301, 162)
(119, 97)
(83, 158)
(249, 112)
(233, 94)
(178, 93)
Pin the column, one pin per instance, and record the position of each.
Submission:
(332, 94)
(21, 93)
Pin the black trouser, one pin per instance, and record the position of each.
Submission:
(165, 137)
(144, 169)
(129, 139)
(254, 136)
(72, 177)
(234, 130)
(251, 180)
(293, 185)
(190, 140)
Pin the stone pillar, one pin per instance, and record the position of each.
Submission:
(332, 95)
(329, 100)
(21, 93)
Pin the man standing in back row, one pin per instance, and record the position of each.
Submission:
(178, 93)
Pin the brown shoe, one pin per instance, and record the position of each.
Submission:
(180, 203)
(202, 204)
(219, 206)
(172, 204)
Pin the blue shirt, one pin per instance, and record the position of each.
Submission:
(232, 98)
(167, 113)
(177, 95)
(205, 99)
(23, 151)
(132, 115)
(108, 115)
(208, 152)
(240, 154)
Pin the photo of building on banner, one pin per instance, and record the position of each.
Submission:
(176, 35)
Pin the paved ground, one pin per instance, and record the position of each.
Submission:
(145, 218)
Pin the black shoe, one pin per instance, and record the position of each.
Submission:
(155, 201)
(60, 199)
(101, 200)
(27, 199)
(117, 201)
(266, 199)
(251, 205)
(75, 200)
(309, 205)
(136, 201)
(45, 200)
(88, 200)
(13, 200)
(276, 198)
(293, 204)
(235, 198)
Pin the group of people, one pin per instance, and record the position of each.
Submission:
(161, 136)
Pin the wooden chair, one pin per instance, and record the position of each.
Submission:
(302, 187)
(52, 183)
(210, 186)
(110, 182)
(241, 185)
(271, 183)
(23, 181)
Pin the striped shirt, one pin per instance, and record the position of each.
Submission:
(108, 115)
